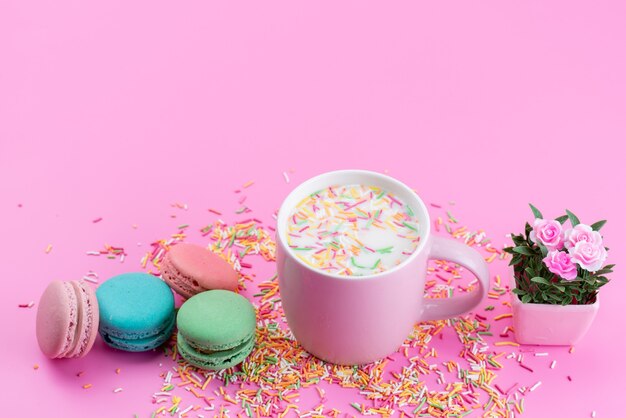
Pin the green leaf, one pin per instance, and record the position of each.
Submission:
(538, 279)
(527, 229)
(519, 291)
(536, 212)
(518, 239)
(523, 250)
(526, 298)
(598, 225)
(561, 288)
(602, 281)
(561, 219)
(572, 218)
(555, 297)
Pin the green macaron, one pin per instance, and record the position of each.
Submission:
(216, 329)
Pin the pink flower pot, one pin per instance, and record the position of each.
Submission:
(544, 324)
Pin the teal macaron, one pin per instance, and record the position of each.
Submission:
(136, 311)
(216, 329)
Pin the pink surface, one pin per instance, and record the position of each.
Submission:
(116, 111)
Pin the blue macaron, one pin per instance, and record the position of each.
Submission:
(136, 312)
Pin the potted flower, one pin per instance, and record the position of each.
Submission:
(557, 271)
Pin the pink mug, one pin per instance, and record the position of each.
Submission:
(357, 320)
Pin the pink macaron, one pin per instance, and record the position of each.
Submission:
(190, 269)
(67, 319)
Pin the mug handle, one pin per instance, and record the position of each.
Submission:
(451, 250)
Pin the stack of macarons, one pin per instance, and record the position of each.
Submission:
(136, 312)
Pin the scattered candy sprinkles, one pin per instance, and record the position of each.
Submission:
(110, 252)
(415, 381)
(421, 379)
(352, 230)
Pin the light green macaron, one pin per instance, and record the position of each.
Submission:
(216, 329)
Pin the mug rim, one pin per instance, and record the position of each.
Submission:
(281, 224)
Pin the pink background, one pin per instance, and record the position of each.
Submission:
(117, 110)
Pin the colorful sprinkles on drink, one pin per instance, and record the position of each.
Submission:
(352, 230)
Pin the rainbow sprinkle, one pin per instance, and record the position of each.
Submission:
(110, 252)
(352, 230)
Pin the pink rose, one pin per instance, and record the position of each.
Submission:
(560, 263)
(588, 255)
(548, 233)
(580, 233)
